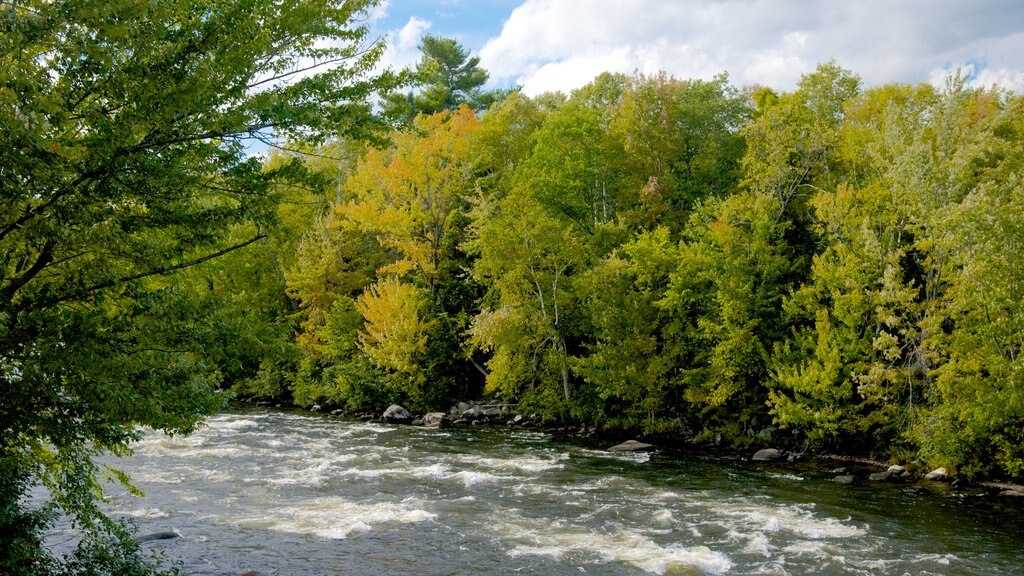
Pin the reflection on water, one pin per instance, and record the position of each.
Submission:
(284, 493)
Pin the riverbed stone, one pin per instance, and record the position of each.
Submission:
(436, 419)
(936, 475)
(396, 414)
(767, 455)
(844, 479)
(897, 470)
(882, 476)
(631, 446)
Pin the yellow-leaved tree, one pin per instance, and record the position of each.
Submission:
(395, 332)
(407, 195)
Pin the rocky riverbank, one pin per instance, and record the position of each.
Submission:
(841, 469)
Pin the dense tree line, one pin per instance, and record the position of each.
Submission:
(834, 268)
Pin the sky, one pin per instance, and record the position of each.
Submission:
(560, 45)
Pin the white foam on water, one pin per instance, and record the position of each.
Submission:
(639, 457)
(662, 517)
(541, 537)
(781, 476)
(603, 483)
(226, 422)
(337, 518)
(943, 559)
(146, 513)
(757, 544)
(806, 548)
(370, 427)
(312, 471)
(373, 472)
(796, 519)
(520, 462)
(470, 478)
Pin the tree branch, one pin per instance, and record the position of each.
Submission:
(153, 272)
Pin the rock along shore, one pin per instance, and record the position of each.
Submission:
(853, 470)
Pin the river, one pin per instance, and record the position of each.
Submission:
(288, 493)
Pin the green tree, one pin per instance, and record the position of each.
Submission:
(123, 162)
(575, 166)
(852, 369)
(527, 259)
(636, 349)
(682, 138)
(733, 269)
(975, 418)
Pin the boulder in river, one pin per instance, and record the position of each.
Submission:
(396, 414)
(436, 419)
(844, 479)
(631, 446)
(936, 475)
(897, 470)
(767, 455)
(472, 413)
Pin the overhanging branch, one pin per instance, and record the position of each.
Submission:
(153, 272)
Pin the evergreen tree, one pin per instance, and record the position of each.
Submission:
(445, 78)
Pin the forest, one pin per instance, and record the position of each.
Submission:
(834, 268)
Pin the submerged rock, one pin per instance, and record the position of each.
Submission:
(396, 414)
(631, 446)
(169, 535)
(936, 475)
(844, 479)
(767, 455)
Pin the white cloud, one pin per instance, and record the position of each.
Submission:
(1012, 79)
(403, 44)
(562, 44)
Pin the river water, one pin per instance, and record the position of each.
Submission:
(296, 494)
